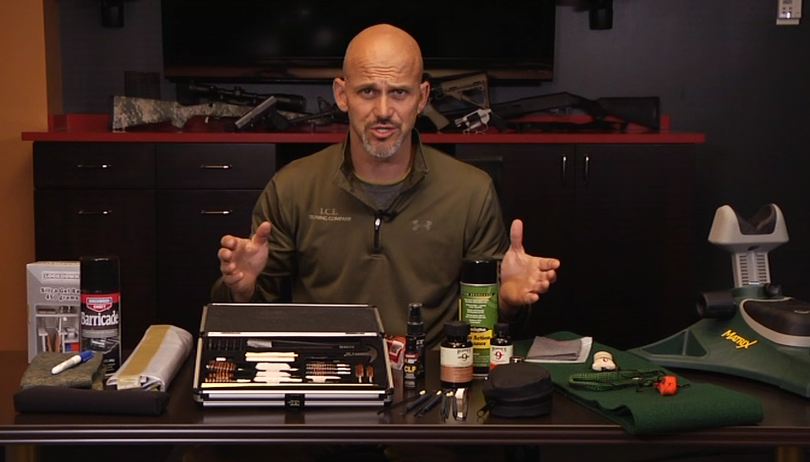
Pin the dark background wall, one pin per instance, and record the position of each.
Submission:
(722, 67)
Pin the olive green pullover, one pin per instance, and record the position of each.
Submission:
(332, 243)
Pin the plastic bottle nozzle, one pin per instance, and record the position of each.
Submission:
(415, 324)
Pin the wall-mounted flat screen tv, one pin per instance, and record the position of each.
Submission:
(304, 40)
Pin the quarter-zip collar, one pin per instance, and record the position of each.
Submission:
(345, 179)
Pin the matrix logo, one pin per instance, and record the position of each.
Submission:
(99, 304)
(739, 340)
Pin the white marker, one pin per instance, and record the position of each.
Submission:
(72, 361)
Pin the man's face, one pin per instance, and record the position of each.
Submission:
(382, 102)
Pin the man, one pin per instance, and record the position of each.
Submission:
(380, 219)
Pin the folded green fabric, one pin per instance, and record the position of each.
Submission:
(644, 411)
(88, 374)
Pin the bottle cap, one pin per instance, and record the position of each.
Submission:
(415, 324)
(99, 274)
(501, 329)
(457, 328)
(479, 271)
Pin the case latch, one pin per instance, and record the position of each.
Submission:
(294, 400)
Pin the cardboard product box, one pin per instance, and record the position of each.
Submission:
(54, 306)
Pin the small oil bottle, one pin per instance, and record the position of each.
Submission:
(416, 331)
(456, 355)
(500, 346)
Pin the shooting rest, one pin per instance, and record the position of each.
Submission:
(753, 330)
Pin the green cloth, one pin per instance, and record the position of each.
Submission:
(647, 412)
(88, 374)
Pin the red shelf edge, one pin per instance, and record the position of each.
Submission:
(95, 127)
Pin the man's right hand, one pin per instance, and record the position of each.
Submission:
(242, 260)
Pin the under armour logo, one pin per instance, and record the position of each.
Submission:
(425, 225)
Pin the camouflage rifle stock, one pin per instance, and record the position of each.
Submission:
(130, 111)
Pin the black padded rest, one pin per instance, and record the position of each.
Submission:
(788, 316)
(764, 222)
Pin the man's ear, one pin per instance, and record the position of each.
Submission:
(424, 93)
(339, 91)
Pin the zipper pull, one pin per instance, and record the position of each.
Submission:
(377, 224)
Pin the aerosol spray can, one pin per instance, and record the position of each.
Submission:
(101, 309)
(478, 305)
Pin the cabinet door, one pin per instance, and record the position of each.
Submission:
(632, 243)
(192, 222)
(535, 184)
(74, 223)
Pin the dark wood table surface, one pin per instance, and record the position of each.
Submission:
(786, 422)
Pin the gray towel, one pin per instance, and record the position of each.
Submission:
(560, 350)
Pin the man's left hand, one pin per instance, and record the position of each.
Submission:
(523, 277)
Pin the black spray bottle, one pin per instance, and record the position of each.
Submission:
(416, 330)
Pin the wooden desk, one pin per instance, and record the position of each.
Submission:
(786, 426)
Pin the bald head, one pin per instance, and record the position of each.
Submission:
(383, 93)
(383, 48)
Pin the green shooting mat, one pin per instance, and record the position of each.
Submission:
(644, 411)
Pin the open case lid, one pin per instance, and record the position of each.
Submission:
(327, 341)
(289, 319)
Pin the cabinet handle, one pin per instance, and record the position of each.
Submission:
(563, 169)
(215, 166)
(586, 169)
(215, 212)
(95, 212)
(94, 166)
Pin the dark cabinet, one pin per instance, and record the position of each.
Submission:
(161, 208)
(619, 219)
(99, 199)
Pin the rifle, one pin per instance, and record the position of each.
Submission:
(128, 111)
(467, 89)
(640, 110)
(284, 102)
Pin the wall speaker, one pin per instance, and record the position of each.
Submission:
(601, 14)
(112, 13)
